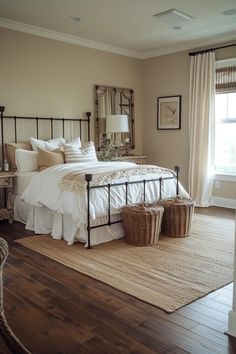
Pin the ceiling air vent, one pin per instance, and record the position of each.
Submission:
(173, 17)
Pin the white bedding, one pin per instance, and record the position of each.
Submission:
(21, 209)
(43, 192)
(22, 180)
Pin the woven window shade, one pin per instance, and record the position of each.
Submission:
(226, 79)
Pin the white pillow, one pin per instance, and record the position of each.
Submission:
(50, 145)
(26, 160)
(76, 142)
(87, 153)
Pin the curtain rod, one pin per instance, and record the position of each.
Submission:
(211, 49)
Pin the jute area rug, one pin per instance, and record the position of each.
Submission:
(169, 275)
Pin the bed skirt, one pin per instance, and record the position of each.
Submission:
(44, 221)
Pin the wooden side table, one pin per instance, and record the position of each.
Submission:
(6, 182)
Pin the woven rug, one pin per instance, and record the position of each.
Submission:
(169, 275)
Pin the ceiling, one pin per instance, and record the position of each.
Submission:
(123, 26)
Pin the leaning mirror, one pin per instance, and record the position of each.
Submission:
(114, 114)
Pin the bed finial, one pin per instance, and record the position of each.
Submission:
(2, 109)
(88, 177)
(88, 114)
(177, 170)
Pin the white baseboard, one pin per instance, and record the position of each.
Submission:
(231, 324)
(224, 202)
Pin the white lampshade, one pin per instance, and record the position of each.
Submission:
(117, 123)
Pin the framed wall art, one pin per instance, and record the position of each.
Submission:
(169, 112)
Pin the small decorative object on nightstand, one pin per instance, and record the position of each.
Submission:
(6, 182)
(139, 159)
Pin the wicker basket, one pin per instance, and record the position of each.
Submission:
(177, 217)
(142, 224)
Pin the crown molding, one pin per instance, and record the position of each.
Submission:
(46, 33)
(58, 36)
(191, 45)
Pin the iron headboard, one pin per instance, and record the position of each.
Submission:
(37, 119)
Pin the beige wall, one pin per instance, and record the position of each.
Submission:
(225, 190)
(46, 77)
(165, 76)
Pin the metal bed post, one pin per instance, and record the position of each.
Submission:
(80, 129)
(88, 114)
(177, 170)
(63, 127)
(15, 129)
(144, 190)
(126, 193)
(88, 178)
(51, 119)
(160, 186)
(2, 109)
(37, 127)
(109, 204)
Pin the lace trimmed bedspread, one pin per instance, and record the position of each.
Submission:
(75, 180)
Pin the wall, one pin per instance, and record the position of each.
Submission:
(165, 76)
(50, 78)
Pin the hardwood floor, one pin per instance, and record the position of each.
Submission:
(54, 309)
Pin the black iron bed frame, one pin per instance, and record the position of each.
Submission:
(88, 177)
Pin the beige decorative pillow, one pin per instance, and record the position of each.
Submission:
(49, 158)
(11, 149)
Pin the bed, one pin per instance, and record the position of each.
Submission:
(82, 201)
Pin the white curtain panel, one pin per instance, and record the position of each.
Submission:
(201, 127)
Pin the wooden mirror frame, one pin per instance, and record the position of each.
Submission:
(125, 105)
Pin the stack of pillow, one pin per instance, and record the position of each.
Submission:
(40, 154)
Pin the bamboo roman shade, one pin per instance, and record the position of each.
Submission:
(226, 79)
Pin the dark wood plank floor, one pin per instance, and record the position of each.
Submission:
(54, 309)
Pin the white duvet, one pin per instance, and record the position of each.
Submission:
(44, 191)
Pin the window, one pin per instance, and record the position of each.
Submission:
(225, 127)
(225, 138)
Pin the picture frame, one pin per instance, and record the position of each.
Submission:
(169, 112)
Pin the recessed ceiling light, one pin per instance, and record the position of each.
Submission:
(173, 17)
(73, 19)
(175, 28)
(229, 12)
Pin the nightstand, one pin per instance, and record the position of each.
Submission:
(139, 159)
(6, 182)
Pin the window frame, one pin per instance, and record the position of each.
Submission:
(222, 176)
